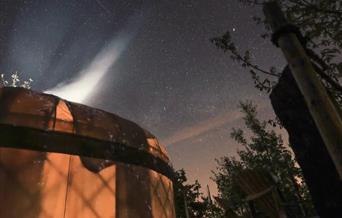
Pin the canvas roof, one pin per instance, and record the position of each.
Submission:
(37, 121)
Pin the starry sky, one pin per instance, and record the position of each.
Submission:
(165, 75)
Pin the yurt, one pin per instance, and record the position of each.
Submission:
(60, 159)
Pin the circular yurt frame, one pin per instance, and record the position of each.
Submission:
(135, 146)
(63, 159)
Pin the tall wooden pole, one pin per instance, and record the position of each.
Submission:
(320, 105)
(186, 207)
(209, 196)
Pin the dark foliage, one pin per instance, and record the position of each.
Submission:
(321, 25)
(189, 198)
(264, 150)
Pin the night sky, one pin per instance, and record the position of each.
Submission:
(147, 61)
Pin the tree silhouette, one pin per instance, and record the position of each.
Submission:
(321, 25)
(266, 151)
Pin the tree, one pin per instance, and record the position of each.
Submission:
(15, 81)
(320, 22)
(188, 198)
(264, 150)
(185, 194)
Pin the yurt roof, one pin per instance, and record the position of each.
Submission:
(37, 121)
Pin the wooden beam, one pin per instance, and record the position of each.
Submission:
(321, 107)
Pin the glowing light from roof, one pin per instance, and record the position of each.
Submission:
(88, 80)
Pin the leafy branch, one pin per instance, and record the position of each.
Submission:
(15, 81)
(322, 26)
(227, 45)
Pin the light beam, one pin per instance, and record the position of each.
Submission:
(88, 80)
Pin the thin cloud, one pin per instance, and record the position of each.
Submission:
(205, 126)
(202, 127)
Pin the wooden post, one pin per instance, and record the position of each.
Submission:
(320, 105)
(209, 196)
(186, 207)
